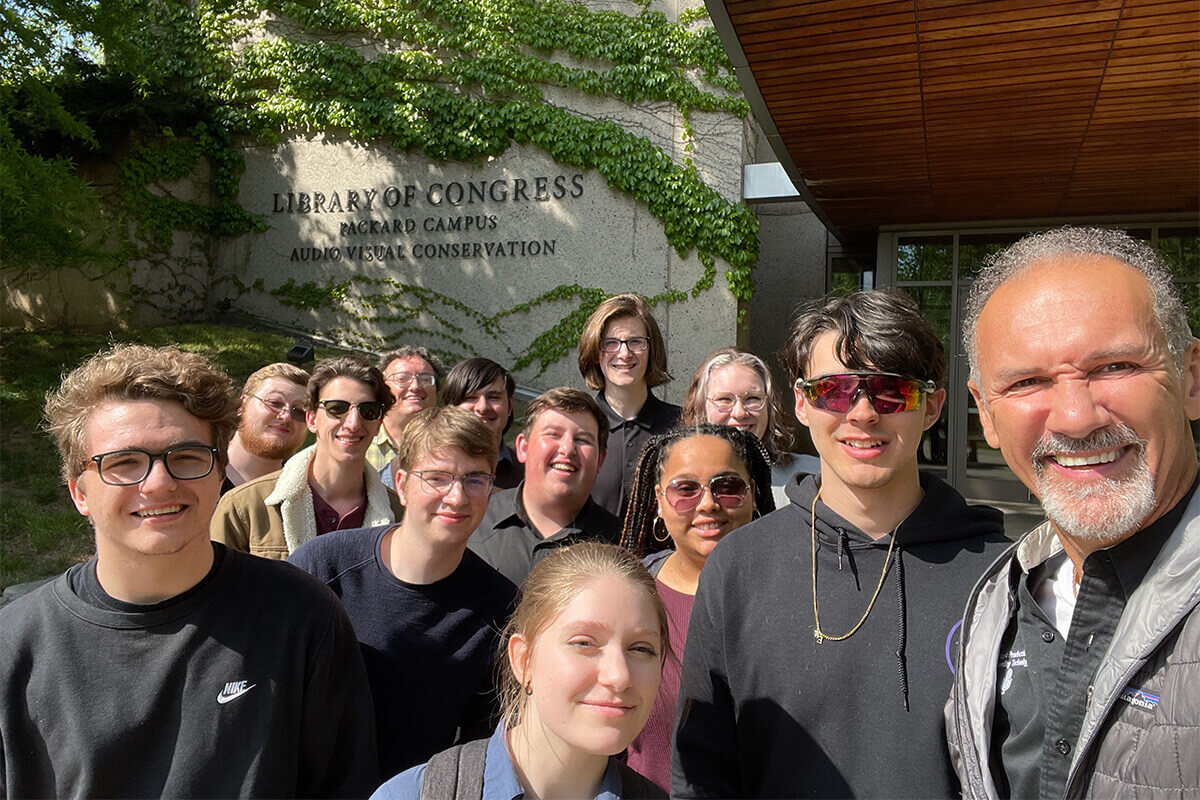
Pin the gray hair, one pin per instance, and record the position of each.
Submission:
(1068, 241)
(411, 351)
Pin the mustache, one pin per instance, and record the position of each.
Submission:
(1109, 437)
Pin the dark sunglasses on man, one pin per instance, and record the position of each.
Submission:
(887, 392)
(370, 410)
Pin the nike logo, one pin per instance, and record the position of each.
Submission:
(233, 691)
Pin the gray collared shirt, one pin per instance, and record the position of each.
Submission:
(507, 540)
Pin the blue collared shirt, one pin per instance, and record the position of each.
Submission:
(499, 778)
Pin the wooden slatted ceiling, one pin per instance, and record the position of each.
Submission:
(942, 111)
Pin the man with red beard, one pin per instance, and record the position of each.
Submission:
(326, 487)
(1080, 650)
(270, 423)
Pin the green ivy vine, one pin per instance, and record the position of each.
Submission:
(467, 84)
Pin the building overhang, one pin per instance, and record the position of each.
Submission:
(936, 113)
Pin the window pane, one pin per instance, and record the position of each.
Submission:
(927, 258)
(935, 305)
(1180, 248)
(975, 248)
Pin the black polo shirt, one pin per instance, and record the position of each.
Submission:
(625, 440)
(1044, 679)
(507, 540)
(509, 471)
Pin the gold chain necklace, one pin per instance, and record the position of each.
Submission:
(820, 635)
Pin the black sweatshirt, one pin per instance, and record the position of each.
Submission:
(767, 711)
(249, 684)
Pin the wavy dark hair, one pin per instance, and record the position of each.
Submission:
(638, 532)
(475, 375)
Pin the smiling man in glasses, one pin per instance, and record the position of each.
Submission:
(168, 665)
(562, 446)
(412, 373)
(427, 612)
(323, 488)
(271, 423)
(821, 631)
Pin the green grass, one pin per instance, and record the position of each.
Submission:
(41, 534)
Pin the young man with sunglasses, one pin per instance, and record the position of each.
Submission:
(270, 423)
(821, 631)
(562, 447)
(168, 665)
(427, 612)
(412, 373)
(323, 488)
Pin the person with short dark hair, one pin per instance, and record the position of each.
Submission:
(412, 373)
(326, 487)
(821, 629)
(271, 423)
(168, 665)
(426, 611)
(622, 357)
(486, 388)
(1080, 651)
(562, 447)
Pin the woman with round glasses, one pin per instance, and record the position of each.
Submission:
(692, 487)
(734, 387)
(582, 658)
(622, 356)
(425, 609)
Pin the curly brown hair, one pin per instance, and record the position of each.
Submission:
(136, 372)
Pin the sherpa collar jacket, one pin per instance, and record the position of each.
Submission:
(1141, 732)
(273, 515)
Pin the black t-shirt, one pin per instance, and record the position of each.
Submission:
(429, 649)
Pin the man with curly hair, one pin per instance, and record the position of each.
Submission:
(167, 664)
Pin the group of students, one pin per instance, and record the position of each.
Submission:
(591, 629)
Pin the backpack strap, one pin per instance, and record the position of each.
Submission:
(636, 786)
(456, 773)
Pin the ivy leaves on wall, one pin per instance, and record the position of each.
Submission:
(457, 80)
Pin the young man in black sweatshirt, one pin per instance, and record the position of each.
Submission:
(169, 665)
(816, 663)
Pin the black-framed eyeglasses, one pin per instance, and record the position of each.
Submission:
(888, 392)
(726, 402)
(278, 407)
(187, 462)
(684, 494)
(636, 344)
(474, 484)
(370, 410)
(407, 378)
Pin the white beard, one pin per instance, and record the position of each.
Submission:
(1099, 510)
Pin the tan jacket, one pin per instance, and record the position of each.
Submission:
(273, 515)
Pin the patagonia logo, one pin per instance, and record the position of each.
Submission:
(1136, 697)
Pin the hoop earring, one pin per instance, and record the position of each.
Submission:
(658, 521)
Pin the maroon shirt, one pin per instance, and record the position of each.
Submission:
(650, 752)
(328, 519)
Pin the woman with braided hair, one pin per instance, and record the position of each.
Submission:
(692, 486)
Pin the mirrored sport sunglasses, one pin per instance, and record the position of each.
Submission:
(729, 491)
(887, 392)
(369, 410)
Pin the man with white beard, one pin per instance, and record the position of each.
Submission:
(271, 424)
(1080, 651)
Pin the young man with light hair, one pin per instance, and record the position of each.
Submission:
(271, 424)
(1080, 654)
(326, 487)
(427, 612)
(168, 665)
(816, 660)
(562, 447)
(412, 373)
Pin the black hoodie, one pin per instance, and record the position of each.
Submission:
(765, 710)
